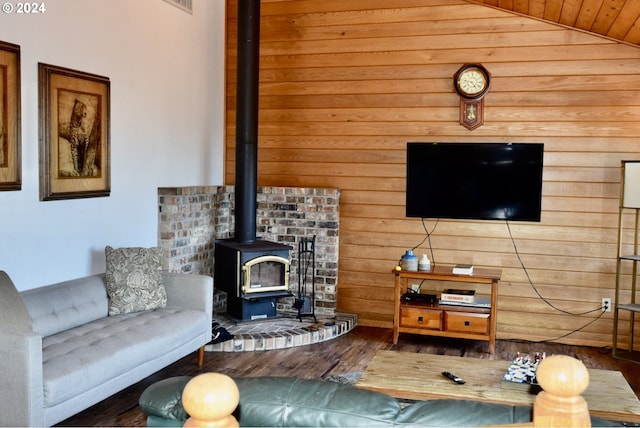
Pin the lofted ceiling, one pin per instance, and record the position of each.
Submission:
(615, 19)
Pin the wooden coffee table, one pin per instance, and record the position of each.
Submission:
(418, 377)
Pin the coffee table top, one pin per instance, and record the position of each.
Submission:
(418, 377)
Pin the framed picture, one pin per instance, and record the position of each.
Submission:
(10, 145)
(74, 109)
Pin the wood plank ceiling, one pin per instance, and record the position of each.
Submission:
(616, 19)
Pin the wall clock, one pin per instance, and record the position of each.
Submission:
(471, 82)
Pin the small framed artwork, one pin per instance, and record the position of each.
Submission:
(74, 110)
(10, 144)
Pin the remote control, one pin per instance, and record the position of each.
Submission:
(453, 377)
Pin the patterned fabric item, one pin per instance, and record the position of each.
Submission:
(134, 280)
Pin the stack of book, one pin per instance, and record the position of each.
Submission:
(453, 296)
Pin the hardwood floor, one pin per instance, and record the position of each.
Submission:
(351, 352)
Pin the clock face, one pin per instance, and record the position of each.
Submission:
(472, 82)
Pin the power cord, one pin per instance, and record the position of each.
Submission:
(513, 242)
(573, 331)
(601, 309)
(412, 291)
(428, 238)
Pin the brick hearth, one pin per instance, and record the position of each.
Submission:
(281, 333)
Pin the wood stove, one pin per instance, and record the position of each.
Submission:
(253, 275)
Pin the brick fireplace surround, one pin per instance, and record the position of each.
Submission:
(191, 219)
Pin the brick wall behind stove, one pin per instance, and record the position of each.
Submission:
(191, 219)
(288, 215)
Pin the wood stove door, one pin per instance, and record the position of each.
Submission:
(265, 273)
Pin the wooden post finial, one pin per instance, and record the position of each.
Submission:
(210, 399)
(563, 379)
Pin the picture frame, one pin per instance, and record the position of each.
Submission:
(74, 130)
(10, 118)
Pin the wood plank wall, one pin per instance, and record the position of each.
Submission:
(344, 85)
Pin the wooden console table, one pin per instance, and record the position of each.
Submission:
(464, 322)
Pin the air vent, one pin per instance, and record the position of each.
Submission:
(186, 5)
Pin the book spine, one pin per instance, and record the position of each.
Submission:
(457, 298)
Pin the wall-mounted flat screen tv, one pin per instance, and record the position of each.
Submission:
(483, 181)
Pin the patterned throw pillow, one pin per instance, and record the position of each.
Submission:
(134, 279)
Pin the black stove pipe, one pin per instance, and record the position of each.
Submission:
(247, 120)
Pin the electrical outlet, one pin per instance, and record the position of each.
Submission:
(415, 287)
(606, 304)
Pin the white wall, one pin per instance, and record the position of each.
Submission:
(166, 69)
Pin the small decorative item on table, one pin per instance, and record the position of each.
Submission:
(409, 261)
(462, 270)
(523, 369)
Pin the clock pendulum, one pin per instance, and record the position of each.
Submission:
(471, 83)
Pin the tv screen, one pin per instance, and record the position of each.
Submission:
(484, 181)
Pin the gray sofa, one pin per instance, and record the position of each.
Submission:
(60, 352)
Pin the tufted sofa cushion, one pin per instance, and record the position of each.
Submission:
(111, 346)
(66, 305)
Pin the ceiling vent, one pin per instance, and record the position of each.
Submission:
(186, 5)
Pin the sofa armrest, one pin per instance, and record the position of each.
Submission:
(21, 387)
(21, 399)
(189, 291)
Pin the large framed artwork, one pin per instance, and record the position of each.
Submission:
(74, 109)
(10, 144)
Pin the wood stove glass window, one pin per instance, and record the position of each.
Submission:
(266, 273)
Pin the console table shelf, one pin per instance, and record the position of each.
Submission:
(465, 322)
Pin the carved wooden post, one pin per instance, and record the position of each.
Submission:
(210, 400)
(563, 379)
